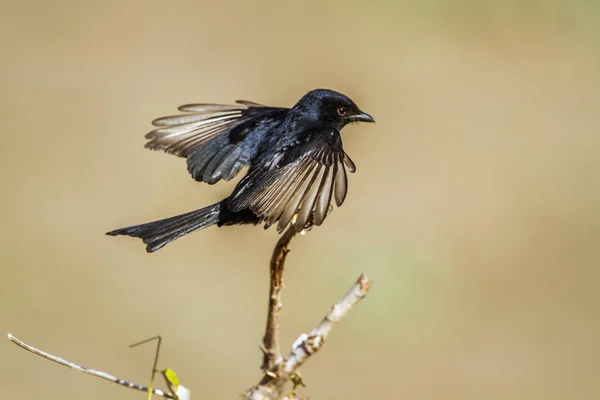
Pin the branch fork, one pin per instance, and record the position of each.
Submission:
(278, 369)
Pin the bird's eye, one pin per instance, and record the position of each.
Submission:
(342, 111)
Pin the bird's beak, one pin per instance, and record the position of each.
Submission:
(362, 117)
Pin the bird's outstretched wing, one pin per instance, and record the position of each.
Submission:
(301, 181)
(210, 136)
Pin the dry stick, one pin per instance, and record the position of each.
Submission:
(271, 350)
(306, 345)
(159, 341)
(273, 381)
(277, 369)
(90, 371)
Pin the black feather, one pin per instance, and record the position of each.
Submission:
(297, 164)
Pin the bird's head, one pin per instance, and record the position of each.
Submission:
(331, 108)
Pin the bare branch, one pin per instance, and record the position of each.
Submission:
(306, 345)
(271, 349)
(277, 369)
(273, 381)
(90, 371)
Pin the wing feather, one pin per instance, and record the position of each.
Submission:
(324, 196)
(313, 175)
(186, 119)
(210, 136)
(291, 208)
(341, 183)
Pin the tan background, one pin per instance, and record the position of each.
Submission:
(475, 207)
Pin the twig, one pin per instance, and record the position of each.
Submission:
(271, 349)
(273, 381)
(277, 369)
(93, 372)
(306, 345)
(154, 370)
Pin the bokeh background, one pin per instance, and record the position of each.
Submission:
(474, 208)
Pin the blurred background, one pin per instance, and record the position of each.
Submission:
(474, 207)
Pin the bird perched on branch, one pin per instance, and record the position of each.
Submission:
(296, 161)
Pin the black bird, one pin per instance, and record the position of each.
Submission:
(295, 156)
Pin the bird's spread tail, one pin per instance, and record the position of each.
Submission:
(158, 233)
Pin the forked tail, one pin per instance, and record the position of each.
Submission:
(158, 233)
